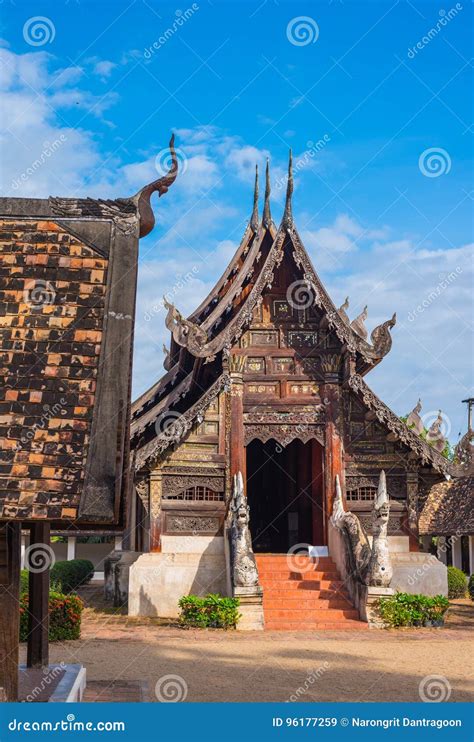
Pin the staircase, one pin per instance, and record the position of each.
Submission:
(312, 598)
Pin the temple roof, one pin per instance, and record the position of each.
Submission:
(202, 341)
(449, 508)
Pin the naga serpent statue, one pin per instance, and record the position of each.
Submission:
(370, 564)
(244, 568)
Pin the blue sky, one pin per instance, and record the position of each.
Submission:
(101, 83)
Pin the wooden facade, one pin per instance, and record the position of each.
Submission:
(267, 375)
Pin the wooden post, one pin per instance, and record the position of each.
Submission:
(412, 506)
(38, 564)
(333, 450)
(10, 540)
(237, 442)
(156, 483)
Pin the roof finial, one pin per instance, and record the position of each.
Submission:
(267, 217)
(254, 218)
(288, 213)
(142, 198)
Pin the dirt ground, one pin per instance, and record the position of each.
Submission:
(191, 665)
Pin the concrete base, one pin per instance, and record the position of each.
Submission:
(368, 597)
(419, 573)
(250, 608)
(187, 565)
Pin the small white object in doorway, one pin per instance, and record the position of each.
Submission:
(318, 551)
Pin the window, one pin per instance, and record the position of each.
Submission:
(197, 493)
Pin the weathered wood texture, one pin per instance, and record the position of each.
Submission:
(10, 538)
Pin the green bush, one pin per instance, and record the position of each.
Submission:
(64, 617)
(457, 583)
(470, 587)
(404, 609)
(212, 611)
(66, 577)
(24, 580)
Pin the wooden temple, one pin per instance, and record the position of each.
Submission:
(267, 378)
(67, 304)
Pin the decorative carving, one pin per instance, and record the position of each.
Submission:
(142, 198)
(435, 435)
(191, 523)
(385, 415)
(244, 567)
(358, 324)
(175, 484)
(254, 218)
(151, 451)
(284, 434)
(414, 421)
(342, 311)
(287, 220)
(381, 338)
(371, 564)
(167, 359)
(267, 217)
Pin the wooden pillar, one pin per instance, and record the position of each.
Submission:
(412, 506)
(237, 439)
(10, 539)
(333, 449)
(156, 484)
(38, 564)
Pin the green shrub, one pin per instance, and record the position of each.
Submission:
(66, 577)
(470, 587)
(457, 583)
(212, 611)
(24, 581)
(64, 617)
(404, 609)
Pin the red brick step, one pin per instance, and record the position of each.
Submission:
(305, 594)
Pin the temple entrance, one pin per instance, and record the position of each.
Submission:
(284, 490)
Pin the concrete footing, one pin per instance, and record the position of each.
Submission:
(250, 608)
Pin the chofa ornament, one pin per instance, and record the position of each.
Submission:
(244, 568)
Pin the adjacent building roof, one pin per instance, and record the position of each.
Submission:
(449, 508)
(68, 285)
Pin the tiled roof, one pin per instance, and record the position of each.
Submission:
(449, 508)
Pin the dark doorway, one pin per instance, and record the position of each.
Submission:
(284, 490)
